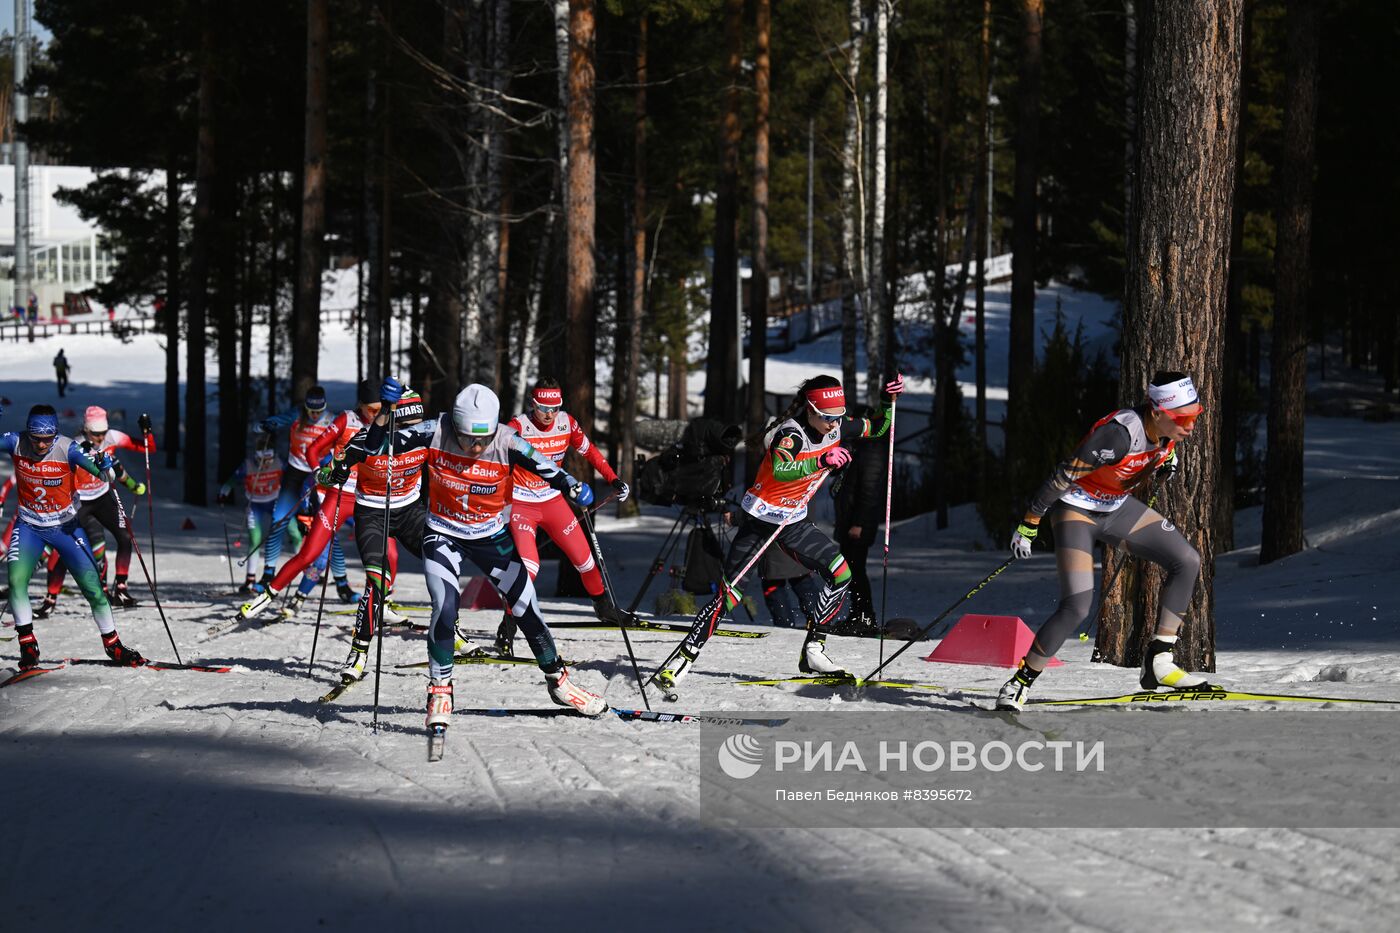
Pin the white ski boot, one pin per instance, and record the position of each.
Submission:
(669, 678)
(355, 661)
(565, 692)
(1017, 690)
(815, 660)
(293, 606)
(1160, 671)
(394, 617)
(439, 701)
(464, 647)
(254, 607)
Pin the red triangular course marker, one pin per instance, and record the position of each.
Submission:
(479, 594)
(187, 524)
(992, 641)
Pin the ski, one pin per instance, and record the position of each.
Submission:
(628, 715)
(437, 738)
(29, 674)
(153, 665)
(237, 623)
(475, 659)
(334, 693)
(1203, 696)
(397, 607)
(642, 625)
(836, 681)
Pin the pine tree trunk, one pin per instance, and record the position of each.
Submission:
(224, 304)
(170, 323)
(980, 197)
(850, 169)
(758, 292)
(1023, 226)
(722, 360)
(274, 288)
(306, 326)
(206, 173)
(579, 364)
(534, 300)
(252, 234)
(875, 335)
(1174, 309)
(1288, 362)
(630, 351)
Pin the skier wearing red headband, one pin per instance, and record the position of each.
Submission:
(536, 504)
(804, 444)
(1088, 500)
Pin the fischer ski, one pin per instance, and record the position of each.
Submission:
(642, 625)
(1202, 696)
(477, 659)
(334, 693)
(30, 674)
(836, 681)
(437, 739)
(628, 715)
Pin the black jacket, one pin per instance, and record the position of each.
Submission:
(860, 498)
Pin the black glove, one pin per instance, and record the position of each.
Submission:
(144, 423)
(224, 497)
(623, 490)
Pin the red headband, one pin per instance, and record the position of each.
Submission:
(827, 397)
(549, 398)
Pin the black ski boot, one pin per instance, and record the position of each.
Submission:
(343, 590)
(28, 647)
(505, 637)
(46, 607)
(604, 609)
(121, 654)
(247, 588)
(120, 596)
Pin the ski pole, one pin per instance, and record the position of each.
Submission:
(587, 523)
(943, 615)
(325, 578)
(377, 615)
(228, 548)
(121, 510)
(885, 564)
(151, 505)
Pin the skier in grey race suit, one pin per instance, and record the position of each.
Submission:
(1088, 499)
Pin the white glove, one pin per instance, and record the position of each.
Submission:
(1021, 540)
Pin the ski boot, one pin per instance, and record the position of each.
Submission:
(121, 596)
(464, 647)
(28, 647)
(1160, 671)
(248, 583)
(393, 617)
(1017, 690)
(343, 590)
(815, 660)
(669, 678)
(264, 583)
(565, 692)
(293, 606)
(606, 612)
(354, 668)
(439, 701)
(120, 654)
(254, 607)
(505, 637)
(46, 607)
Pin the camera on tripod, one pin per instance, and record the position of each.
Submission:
(694, 472)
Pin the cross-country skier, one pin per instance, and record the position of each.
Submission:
(330, 442)
(1088, 499)
(536, 504)
(305, 425)
(261, 474)
(407, 513)
(804, 442)
(99, 509)
(470, 458)
(45, 462)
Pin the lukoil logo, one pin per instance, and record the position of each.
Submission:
(740, 756)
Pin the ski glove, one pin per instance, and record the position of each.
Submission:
(144, 423)
(623, 490)
(582, 494)
(1021, 540)
(391, 391)
(895, 386)
(267, 426)
(224, 497)
(333, 474)
(137, 488)
(1168, 469)
(105, 463)
(835, 458)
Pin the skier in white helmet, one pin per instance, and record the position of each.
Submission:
(470, 458)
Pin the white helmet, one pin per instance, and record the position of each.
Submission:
(476, 411)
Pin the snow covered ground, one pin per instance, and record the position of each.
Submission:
(235, 801)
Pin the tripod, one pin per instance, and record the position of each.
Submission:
(690, 517)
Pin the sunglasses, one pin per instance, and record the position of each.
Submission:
(475, 440)
(1185, 421)
(829, 419)
(547, 409)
